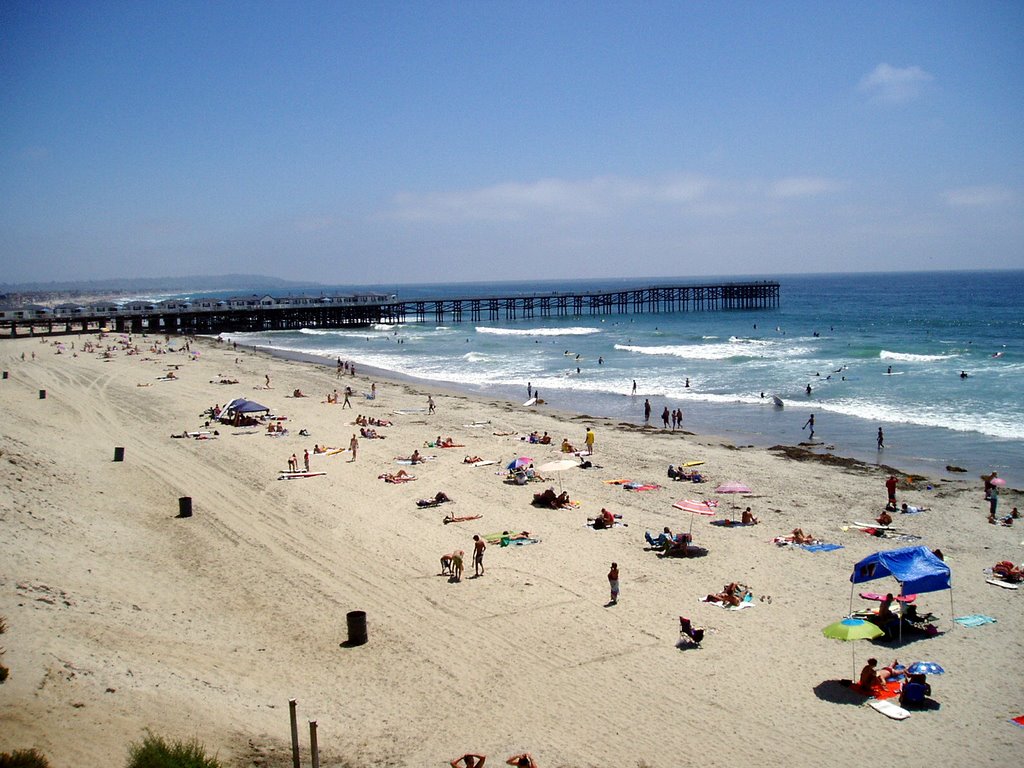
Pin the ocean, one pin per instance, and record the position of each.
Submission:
(934, 359)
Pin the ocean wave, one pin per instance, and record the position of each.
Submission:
(475, 357)
(717, 351)
(999, 425)
(907, 357)
(537, 331)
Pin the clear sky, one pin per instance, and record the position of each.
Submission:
(361, 142)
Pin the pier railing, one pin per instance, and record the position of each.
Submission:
(341, 312)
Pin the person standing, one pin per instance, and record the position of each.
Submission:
(348, 394)
(529, 390)
(665, 417)
(353, 445)
(430, 404)
(890, 487)
(809, 423)
(881, 439)
(647, 410)
(613, 583)
(590, 441)
(993, 501)
(293, 464)
(305, 459)
(634, 386)
(479, 545)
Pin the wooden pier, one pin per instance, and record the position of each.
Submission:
(270, 314)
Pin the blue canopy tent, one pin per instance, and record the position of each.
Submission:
(916, 569)
(243, 407)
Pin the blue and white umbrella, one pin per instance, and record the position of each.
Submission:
(925, 668)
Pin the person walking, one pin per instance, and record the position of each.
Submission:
(353, 445)
(529, 390)
(348, 394)
(613, 583)
(590, 441)
(664, 417)
(881, 439)
(809, 423)
(634, 387)
(479, 545)
(647, 410)
(430, 404)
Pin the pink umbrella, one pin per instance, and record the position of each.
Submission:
(733, 487)
(696, 507)
(998, 481)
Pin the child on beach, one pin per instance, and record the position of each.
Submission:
(613, 583)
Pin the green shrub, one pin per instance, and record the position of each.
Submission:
(23, 758)
(155, 752)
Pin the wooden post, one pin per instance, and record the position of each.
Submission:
(295, 733)
(314, 749)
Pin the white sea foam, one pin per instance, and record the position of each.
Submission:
(907, 357)
(537, 331)
(991, 424)
(718, 351)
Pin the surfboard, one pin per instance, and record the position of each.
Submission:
(1003, 584)
(692, 464)
(876, 526)
(484, 463)
(285, 475)
(777, 401)
(889, 708)
(531, 401)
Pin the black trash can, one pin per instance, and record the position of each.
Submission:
(356, 627)
(5, 374)
(185, 506)
(42, 394)
(119, 453)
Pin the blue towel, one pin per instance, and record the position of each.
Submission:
(976, 620)
(821, 547)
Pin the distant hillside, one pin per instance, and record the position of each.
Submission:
(121, 285)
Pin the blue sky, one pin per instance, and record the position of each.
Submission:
(362, 142)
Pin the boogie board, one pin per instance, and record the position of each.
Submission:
(889, 708)
(284, 475)
(531, 401)
(777, 401)
(1003, 584)
(484, 463)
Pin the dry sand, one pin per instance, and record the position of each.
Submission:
(122, 616)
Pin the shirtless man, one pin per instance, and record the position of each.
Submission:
(748, 518)
(479, 545)
(469, 761)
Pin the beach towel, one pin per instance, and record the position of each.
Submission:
(1018, 721)
(621, 481)
(731, 523)
(974, 620)
(821, 547)
(890, 690)
(879, 598)
(641, 487)
(618, 524)
(744, 604)
(422, 459)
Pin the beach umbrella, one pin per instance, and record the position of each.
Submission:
(852, 628)
(559, 465)
(522, 461)
(998, 481)
(925, 668)
(697, 507)
(732, 487)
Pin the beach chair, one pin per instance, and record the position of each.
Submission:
(689, 633)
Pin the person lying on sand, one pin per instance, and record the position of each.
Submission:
(401, 476)
(910, 510)
(525, 760)
(799, 537)
(731, 593)
(469, 760)
(471, 460)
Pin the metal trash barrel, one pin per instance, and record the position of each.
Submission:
(119, 453)
(5, 374)
(185, 506)
(356, 627)
(42, 394)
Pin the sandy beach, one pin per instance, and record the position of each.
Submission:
(122, 616)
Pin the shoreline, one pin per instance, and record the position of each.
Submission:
(123, 616)
(821, 449)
